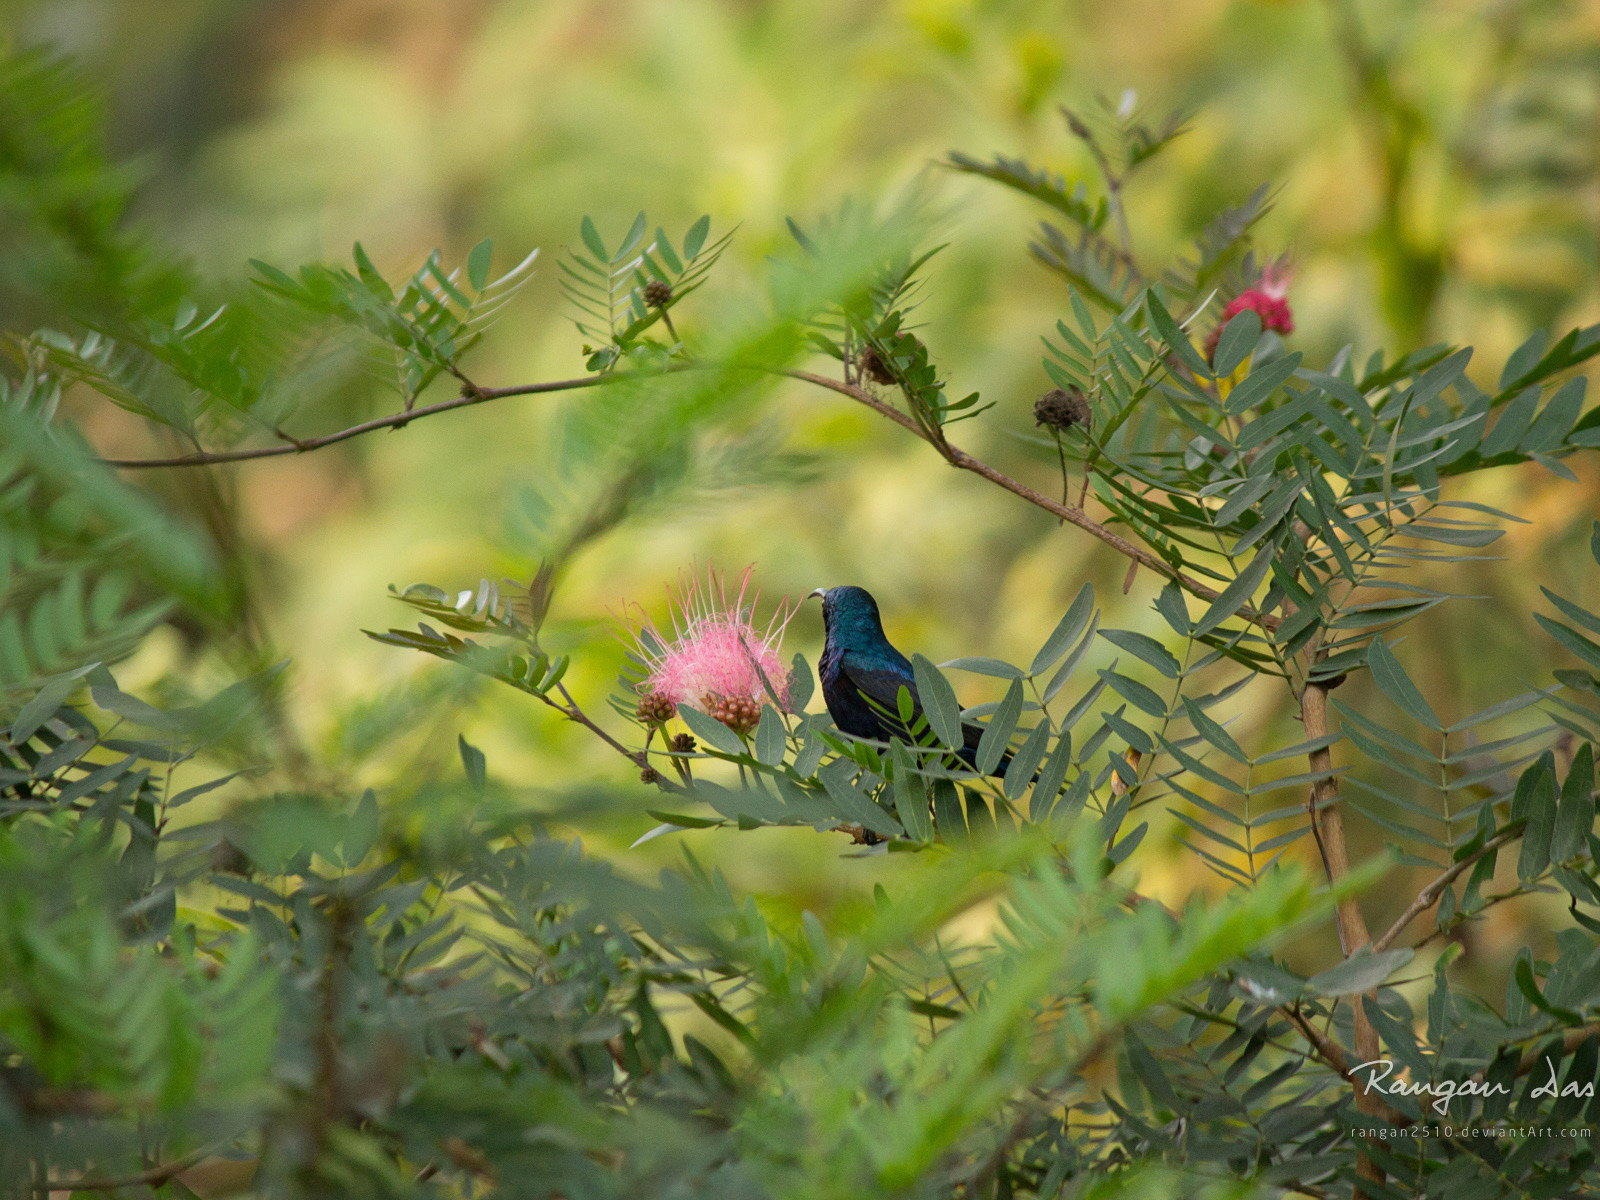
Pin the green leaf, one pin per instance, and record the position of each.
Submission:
(771, 737)
(1072, 624)
(1575, 811)
(801, 683)
(474, 763)
(1174, 611)
(675, 823)
(1213, 732)
(1393, 681)
(853, 804)
(1361, 972)
(1523, 358)
(1025, 762)
(1237, 594)
(633, 238)
(1264, 379)
(1146, 649)
(1051, 777)
(370, 274)
(999, 729)
(1584, 648)
(711, 732)
(695, 240)
(905, 705)
(175, 561)
(994, 667)
(1175, 338)
(478, 263)
(911, 799)
(1136, 694)
(1069, 664)
(591, 239)
(938, 702)
(1535, 801)
(682, 821)
(1552, 426)
(748, 806)
(948, 817)
(1072, 203)
(44, 703)
(1239, 338)
(1529, 987)
(1574, 612)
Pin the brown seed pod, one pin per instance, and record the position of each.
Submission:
(873, 366)
(656, 709)
(682, 743)
(658, 293)
(649, 775)
(739, 713)
(1061, 409)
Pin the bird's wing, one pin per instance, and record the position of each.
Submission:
(882, 690)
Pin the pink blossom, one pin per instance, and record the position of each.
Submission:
(1269, 299)
(715, 657)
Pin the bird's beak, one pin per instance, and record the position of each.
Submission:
(819, 594)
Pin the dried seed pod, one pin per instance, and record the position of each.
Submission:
(1061, 409)
(873, 366)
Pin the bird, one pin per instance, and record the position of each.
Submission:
(862, 674)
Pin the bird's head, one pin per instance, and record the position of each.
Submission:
(849, 612)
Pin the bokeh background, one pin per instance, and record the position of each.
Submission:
(1435, 168)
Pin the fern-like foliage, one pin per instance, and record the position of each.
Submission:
(622, 292)
(87, 566)
(424, 324)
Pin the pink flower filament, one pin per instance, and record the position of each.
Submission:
(715, 649)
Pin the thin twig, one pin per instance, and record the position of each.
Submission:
(573, 712)
(470, 395)
(1334, 1055)
(1429, 895)
(1571, 1039)
(152, 1177)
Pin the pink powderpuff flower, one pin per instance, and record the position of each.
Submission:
(715, 658)
(1269, 299)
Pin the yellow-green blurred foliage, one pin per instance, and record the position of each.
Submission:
(1435, 167)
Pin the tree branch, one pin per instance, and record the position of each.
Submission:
(1326, 820)
(568, 708)
(470, 395)
(1333, 1054)
(153, 1177)
(1429, 895)
(1327, 823)
(1571, 1039)
(1076, 516)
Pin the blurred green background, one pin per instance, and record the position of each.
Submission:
(1435, 168)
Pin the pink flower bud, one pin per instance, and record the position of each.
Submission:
(1269, 299)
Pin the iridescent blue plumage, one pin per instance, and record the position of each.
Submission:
(862, 673)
